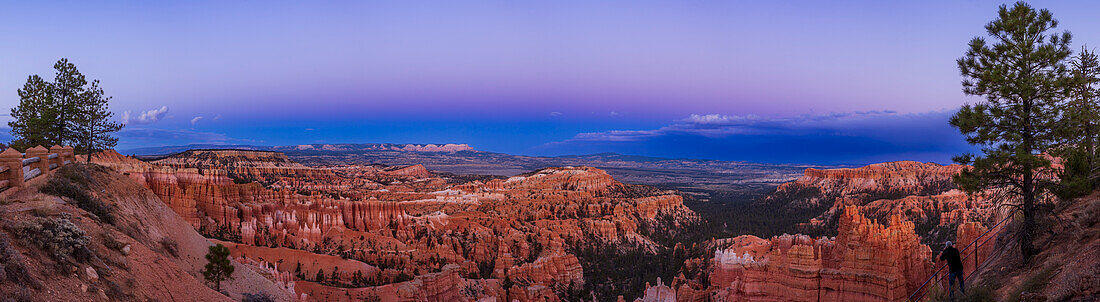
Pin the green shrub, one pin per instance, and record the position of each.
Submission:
(72, 182)
(1076, 178)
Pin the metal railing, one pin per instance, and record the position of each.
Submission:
(984, 238)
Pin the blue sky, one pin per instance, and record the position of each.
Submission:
(775, 81)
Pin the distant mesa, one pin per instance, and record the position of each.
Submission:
(380, 147)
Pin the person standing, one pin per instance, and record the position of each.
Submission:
(954, 268)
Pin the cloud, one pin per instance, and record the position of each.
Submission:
(555, 113)
(147, 117)
(720, 125)
(845, 137)
(174, 134)
(196, 120)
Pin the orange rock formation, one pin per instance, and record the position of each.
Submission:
(867, 261)
(405, 233)
(920, 192)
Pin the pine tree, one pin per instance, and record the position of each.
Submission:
(218, 268)
(66, 111)
(1081, 126)
(1083, 113)
(92, 122)
(298, 271)
(68, 88)
(1021, 76)
(35, 114)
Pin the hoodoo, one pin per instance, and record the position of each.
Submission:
(403, 232)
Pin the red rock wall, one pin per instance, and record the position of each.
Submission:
(967, 236)
(867, 261)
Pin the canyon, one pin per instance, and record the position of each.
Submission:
(350, 232)
(922, 193)
(854, 257)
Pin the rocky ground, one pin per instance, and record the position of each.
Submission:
(1066, 269)
(58, 249)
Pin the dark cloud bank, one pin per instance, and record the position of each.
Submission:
(855, 138)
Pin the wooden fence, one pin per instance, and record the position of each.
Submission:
(18, 168)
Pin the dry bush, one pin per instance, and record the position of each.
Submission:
(1034, 284)
(12, 266)
(21, 295)
(1078, 283)
(42, 208)
(111, 242)
(58, 237)
(117, 292)
(1091, 215)
(257, 297)
(170, 246)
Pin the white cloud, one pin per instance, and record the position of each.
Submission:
(720, 125)
(147, 117)
(555, 113)
(719, 118)
(196, 120)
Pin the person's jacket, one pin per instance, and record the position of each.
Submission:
(951, 254)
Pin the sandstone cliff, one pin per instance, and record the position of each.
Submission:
(866, 261)
(919, 192)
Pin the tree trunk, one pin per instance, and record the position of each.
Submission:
(1027, 228)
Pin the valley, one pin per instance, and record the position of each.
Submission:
(701, 178)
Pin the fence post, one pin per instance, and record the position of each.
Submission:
(69, 155)
(43, 164)
(13, 160)
(60, 159)
(976, 260)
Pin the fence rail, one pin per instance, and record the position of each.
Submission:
(966, 252)
(17, 168)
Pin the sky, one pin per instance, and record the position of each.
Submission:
(764, 81)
